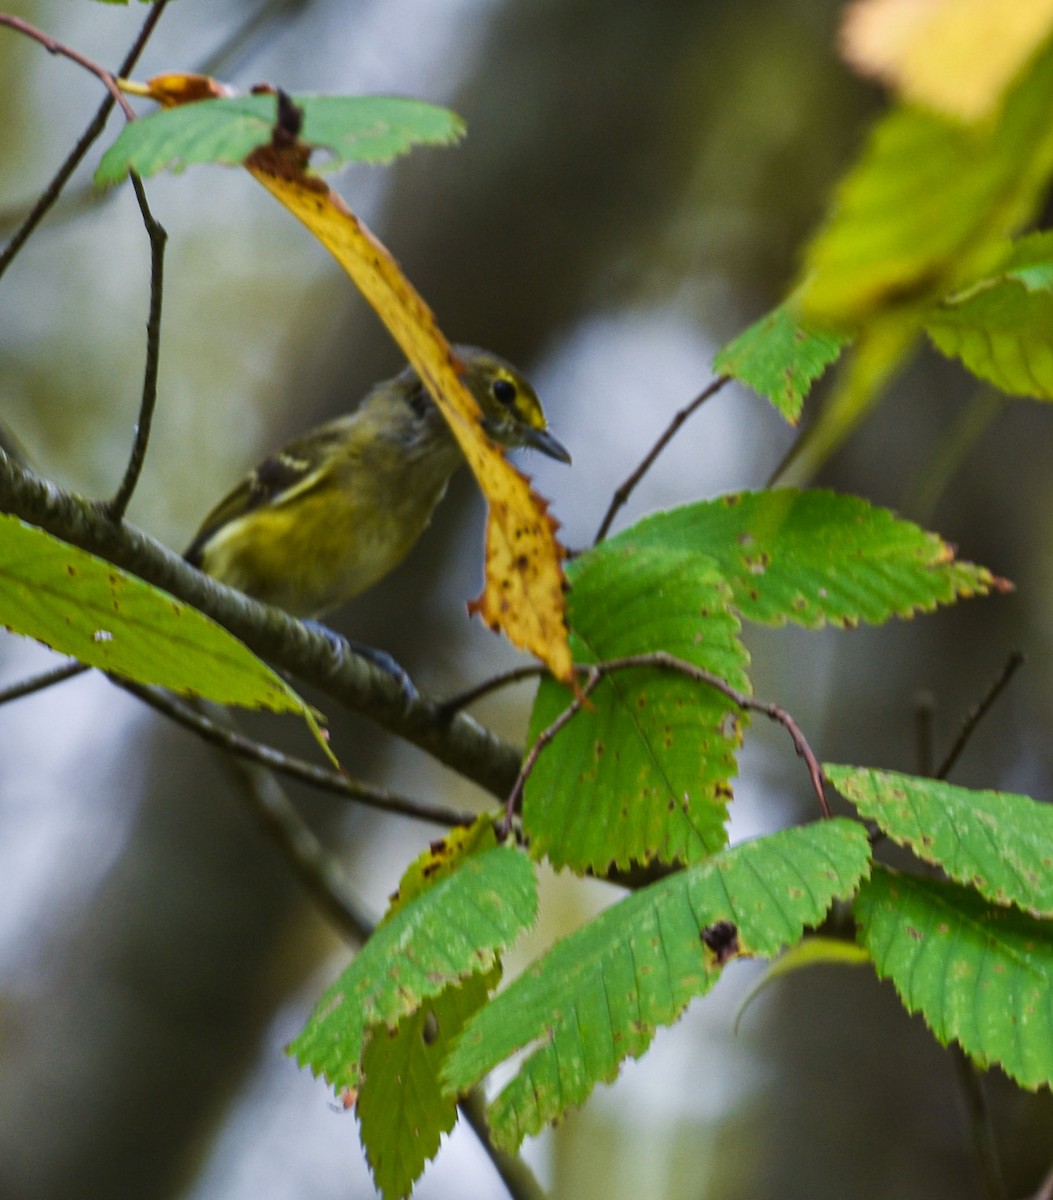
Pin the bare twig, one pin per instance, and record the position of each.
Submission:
(517, 1177)
(319, 871)
(224, 735)
(46, 679)
(629, 486)
(52, 46)
(54, 189)
(662, 661)
(543, 739)
(984, 1144)
(115, 508)
(470, 695)
(1013, 663)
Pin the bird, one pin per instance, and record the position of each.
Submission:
(330, 514)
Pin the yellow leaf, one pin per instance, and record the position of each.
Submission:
(956, 56)
(524, 590)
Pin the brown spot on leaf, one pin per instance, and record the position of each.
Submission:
(723, 939)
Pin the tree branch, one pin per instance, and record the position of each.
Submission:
(349, 679)
(54, 189)
(223, 734)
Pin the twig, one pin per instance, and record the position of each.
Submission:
(1014, 662)
(626, 489)
(54, 189)
(319, 871)
(980, 1123)
(115, 508)
(517, 1177)
(543, 738)
(470, 695)
(52, 46)
(660, 660)
(224, 735)
(46, 679)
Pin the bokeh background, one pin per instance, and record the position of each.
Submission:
(636, 185)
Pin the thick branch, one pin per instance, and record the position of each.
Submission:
(353, 681)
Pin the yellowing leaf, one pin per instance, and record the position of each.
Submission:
(957, 56)
(523, 594)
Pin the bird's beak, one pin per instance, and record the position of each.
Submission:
(541, 439)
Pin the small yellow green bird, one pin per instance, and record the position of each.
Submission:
(334, 511)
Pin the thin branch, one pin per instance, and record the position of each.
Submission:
(543, 739)
(228, 738)
(470, 695)
(984, 1144)
(1014, 662)
(115, 508)
(517, 1177)
(319, 871)
(46, 679)
(54, 189)
(629, 486)
(662, 661)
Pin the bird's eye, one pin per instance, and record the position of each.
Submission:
(504, 392)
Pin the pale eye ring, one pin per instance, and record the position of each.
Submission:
(504, 392)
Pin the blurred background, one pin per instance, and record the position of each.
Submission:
(634, 189)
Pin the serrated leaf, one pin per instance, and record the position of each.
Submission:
(997, 842)
(979, 974)
(815, 557)
(450, 931)
(780, 357)
(598, 995)
(1001, 326)
(87, 608)
(642, 772)
(927, 203)
(370, 129)
(401, 1108)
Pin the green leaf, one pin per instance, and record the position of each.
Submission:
(402, 1111)
(371, 129)
(1001, 326)
(598, 995)
(928, 202)
(450, 931)
(86, 607)
(997, 842)
(979, 974)
(641, 773)
(815, 557)
(780, 357)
